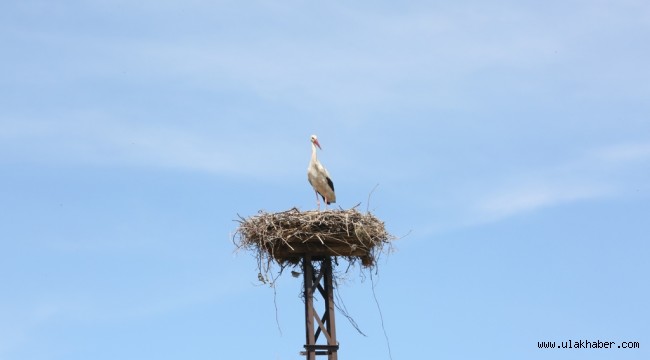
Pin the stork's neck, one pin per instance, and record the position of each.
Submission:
(313, 152)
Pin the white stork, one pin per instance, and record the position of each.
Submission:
(319, 178)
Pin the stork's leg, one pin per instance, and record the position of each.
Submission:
(317, 200)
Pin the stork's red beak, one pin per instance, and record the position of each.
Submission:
(317, 144)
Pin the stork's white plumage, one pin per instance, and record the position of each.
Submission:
(319, 178)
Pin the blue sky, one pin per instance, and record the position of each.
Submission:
(509, 139)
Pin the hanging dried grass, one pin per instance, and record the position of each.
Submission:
(286, 236)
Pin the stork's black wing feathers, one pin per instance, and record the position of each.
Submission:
(330, 183)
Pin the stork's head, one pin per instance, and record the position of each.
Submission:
(314, 140)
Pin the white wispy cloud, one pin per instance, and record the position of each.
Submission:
(625, 153)
(350, 57)
(95, 139)
(526, 198)
(607, 172)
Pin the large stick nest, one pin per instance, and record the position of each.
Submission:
(287, 236)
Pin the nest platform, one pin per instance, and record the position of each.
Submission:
(285, 237)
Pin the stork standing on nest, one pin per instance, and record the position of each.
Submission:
(319, 178)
